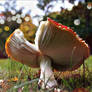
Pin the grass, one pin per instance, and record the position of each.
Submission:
(21, 77)
(16, 73)
(88, 62)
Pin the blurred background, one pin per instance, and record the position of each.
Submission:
(27, 14)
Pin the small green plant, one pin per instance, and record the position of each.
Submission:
(25, 78)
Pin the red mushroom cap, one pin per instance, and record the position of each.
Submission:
(65, 48)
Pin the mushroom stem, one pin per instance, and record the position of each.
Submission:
(47, 79)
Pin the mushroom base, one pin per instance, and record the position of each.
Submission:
(47, 79)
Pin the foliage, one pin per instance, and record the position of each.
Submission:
(79, 19)
(44, 5)
(11, 19)
(28, 29)
(12, 22)
(71, 1)
(17, 76)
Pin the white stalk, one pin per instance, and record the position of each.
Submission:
(47, 79)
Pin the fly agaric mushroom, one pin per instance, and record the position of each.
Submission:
(56, 46)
